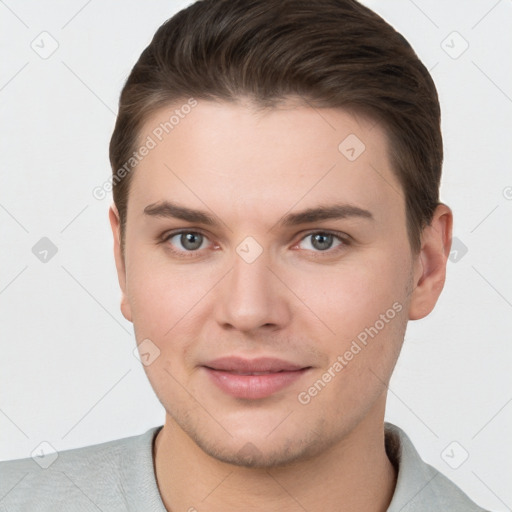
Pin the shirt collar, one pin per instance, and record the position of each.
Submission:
(419, 487)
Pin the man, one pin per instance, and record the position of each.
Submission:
(276, 222)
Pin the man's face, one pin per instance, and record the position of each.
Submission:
(251, 311)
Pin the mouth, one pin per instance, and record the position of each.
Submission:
(253, 378)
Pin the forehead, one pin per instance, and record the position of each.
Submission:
(230, 156)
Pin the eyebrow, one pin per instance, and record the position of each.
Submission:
(166, 209)
(329, 212)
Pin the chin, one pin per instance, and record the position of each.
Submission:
(252, 456)
(259, 450)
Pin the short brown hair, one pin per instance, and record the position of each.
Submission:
(332, 53)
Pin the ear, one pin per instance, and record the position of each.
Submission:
(115, 224)
(430, 264)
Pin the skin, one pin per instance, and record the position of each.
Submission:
(248, 169)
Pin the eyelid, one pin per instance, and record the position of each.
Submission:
(173, 232)
(345, 239)
(183, 253)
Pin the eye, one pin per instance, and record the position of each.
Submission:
(187, 241)
(321, 241)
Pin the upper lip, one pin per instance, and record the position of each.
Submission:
(260, 364)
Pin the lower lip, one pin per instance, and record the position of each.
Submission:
(253, 386)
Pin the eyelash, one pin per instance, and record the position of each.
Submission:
(341, 237)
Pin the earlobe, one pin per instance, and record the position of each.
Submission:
(115, 224)
(430, 275)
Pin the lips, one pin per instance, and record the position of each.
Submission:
(259, 365)
(253, 378)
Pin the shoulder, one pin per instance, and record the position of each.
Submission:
(420, 487)
(90, 478)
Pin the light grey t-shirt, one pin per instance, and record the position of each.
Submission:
(119, 476)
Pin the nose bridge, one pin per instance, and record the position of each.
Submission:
(249, 297)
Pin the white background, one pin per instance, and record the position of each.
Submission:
(67, 372)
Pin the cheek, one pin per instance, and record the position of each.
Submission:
(169, 305)
(159, 294)
(164, 301)
(351, 296)
(364, 306)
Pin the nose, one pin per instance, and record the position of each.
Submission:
(252, 298)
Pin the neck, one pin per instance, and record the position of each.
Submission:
(354, 475)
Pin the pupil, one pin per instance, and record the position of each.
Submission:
(191, 241)
(322, 241)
